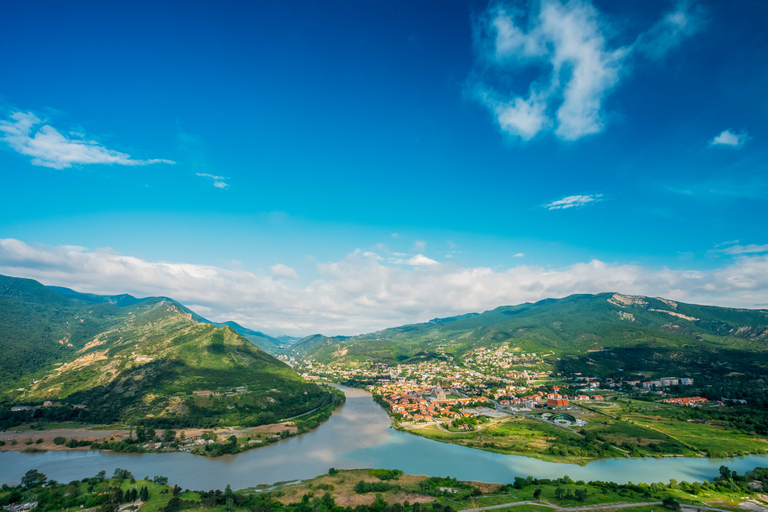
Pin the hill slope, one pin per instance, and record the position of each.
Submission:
(600, 333)
(138, 361)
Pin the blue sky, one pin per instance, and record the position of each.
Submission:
(347, 166)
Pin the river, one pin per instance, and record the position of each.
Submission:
(358, 435)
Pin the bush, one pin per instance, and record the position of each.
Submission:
(59, 440)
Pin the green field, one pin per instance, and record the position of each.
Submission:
(617, 429)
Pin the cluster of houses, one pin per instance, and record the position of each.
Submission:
(410, 403)
(21, 506)
(658, 384)
(205, 392)
(47, 403)
(498, 361)
(690, 401)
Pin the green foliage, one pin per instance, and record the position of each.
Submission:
(33, 478)
(385, 474)
(363, 487)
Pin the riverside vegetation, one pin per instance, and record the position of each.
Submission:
(382, 491)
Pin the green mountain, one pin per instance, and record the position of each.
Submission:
(137, 361)
(91, 298)
(263, 341)
(600, 334)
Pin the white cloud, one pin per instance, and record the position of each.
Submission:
(522, 117)
(560, 54)
(730, 139)
(573, 202)
(217, 180)
(49, 148)
(669, 32)
(519, 255)
(283, 271)
(745, 249)
(415, 261)
(420, 245)
(362, 294)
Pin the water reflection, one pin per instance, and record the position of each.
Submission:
(358, 435)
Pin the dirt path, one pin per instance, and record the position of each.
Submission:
(608, 506)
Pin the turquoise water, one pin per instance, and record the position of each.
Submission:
(358, 435)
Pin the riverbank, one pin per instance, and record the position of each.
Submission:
(615, 429)
(36, 441)
(211, 442)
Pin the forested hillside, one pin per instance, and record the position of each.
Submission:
(142, 361)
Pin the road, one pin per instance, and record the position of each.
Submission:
(609, 506)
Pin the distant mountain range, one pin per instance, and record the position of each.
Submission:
(599, 334)
(128, 358)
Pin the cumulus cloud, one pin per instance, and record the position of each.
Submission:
(283, 271)
(415, 261)
(573, 202)
(559, 52)
(28, 135)
(360, 293)
(729, 139)
(218, 181)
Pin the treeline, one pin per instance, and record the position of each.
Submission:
(590, 445)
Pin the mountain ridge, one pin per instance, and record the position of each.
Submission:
(571, 328)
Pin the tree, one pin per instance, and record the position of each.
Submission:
(725, 473)
(144, 494)
(537, 494)
(176, 490)
(581, 494)
(122, 474)
(670, 503)
(559, 492)
(379, 504)
(33, 478)
(173, 504)
(168, 435)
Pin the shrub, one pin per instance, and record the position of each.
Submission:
(59, 440)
